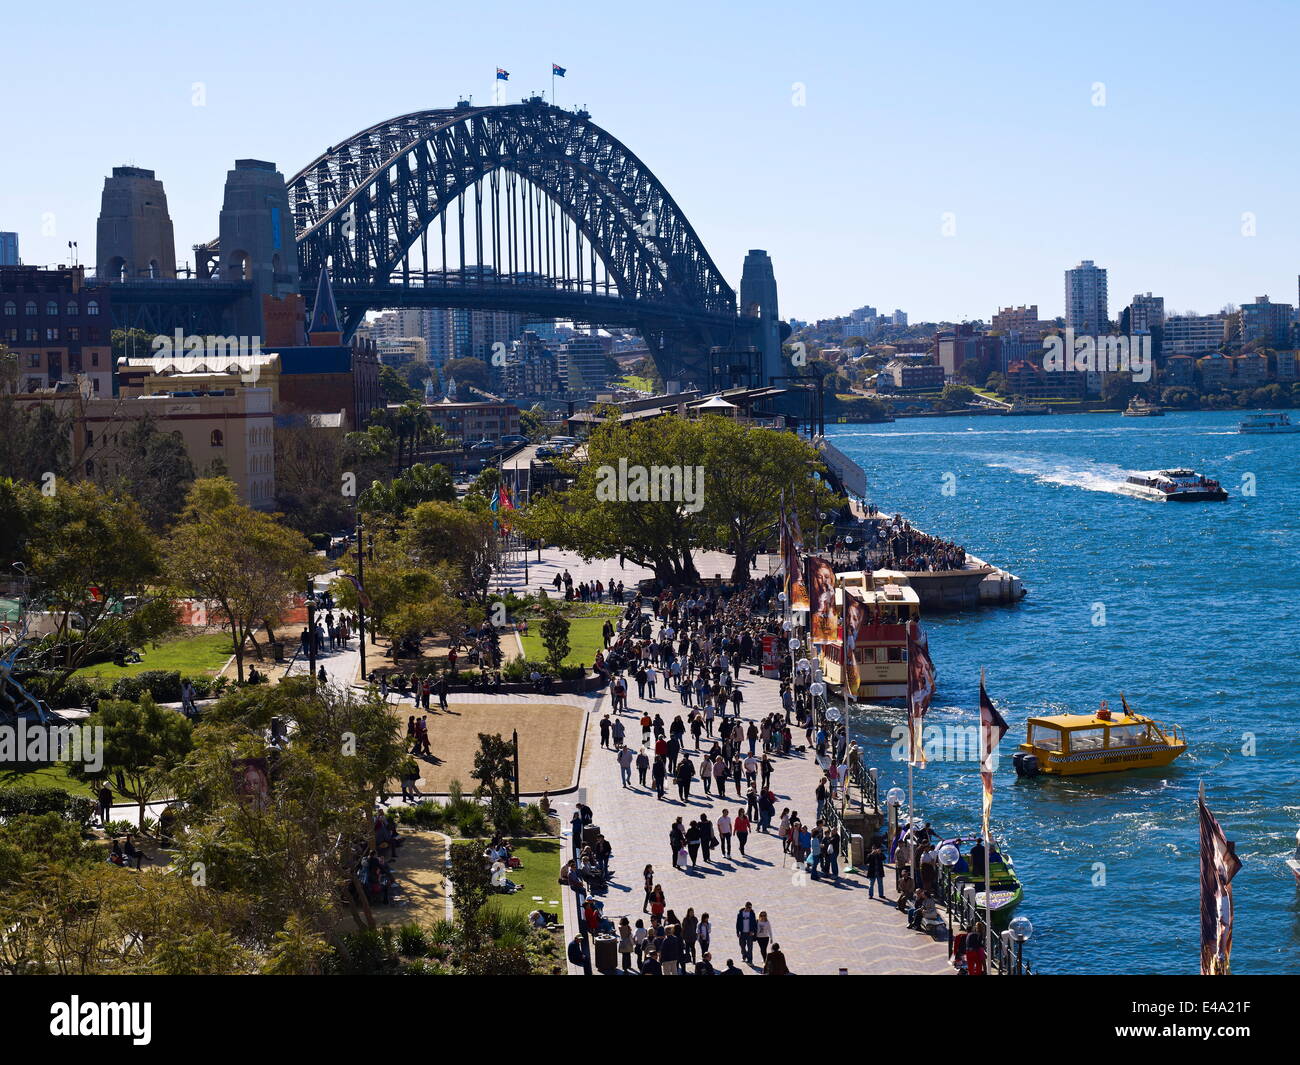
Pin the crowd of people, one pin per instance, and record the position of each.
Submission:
(893, 543)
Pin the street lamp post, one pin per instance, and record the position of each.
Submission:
(361, 584)
(311, 630)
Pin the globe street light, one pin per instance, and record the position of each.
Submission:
(1020, 930)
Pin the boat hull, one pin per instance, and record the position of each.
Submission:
(1153, 756)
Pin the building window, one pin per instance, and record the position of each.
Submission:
(31, 335)
(11, 308)
(72, 309)
(52, 333)
(30, 308)
(92, 308)
(94, 355)
(217, 439)
(11, 335)
(52, 308)
(74, 332)
(94, 384)
(33, 361)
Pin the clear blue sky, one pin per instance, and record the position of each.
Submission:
(911, 111)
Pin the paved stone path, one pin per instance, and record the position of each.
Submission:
(822, 926)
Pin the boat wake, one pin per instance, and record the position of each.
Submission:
(1070, 472)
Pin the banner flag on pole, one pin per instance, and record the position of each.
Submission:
(920, 689)
(796, 587)
(557, 70)
(503, 75)
(992, 728)
(1219, 864)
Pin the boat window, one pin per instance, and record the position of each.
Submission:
(1045, 736)
(1127, 735)
(1087, 739)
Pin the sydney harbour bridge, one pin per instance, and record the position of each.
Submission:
(525, 208)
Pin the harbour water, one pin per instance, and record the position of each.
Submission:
(1190, 610)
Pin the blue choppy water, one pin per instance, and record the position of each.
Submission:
(1200, 629)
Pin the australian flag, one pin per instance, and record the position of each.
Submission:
(557, 70)
(502, 74)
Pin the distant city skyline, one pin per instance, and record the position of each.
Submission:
(947, 162)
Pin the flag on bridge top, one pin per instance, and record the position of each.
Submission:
(557, 70)
(502, 74)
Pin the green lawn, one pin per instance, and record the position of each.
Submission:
(584, 640)
(539, 875)
(641, 384)
(52, 776)
(191, 655)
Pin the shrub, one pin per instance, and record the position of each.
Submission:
(412, 942)
(536, 822)
(162, 684)
(499, 961)
(40, 800)
(472, 822)
(424, 815)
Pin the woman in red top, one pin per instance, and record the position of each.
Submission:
(741, 827)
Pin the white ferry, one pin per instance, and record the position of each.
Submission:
(1022, 407)
(1268, 423)
(1174, 486)
(1140, 408)
(881, 650)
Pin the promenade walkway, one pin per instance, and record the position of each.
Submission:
(822, 926)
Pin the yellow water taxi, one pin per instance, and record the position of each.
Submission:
(1070, 745)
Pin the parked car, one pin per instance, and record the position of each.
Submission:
(512, 439)
(483, 445)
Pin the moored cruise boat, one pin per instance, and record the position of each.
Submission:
(890, 602)
(1070, 745)
(1174, 486)
(1268, 423)
(1023, 407)
(1140, 408)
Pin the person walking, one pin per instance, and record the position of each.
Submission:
(659, 773)
(747, 931)
(724, 834)
(604, 731)
(626, 945)
(741, 827)
(642, 766)
(875, 867)
(648, 875)
(625, 759)
(704, 933)
(763, 935)
(776, 964)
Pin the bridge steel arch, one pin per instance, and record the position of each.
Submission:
(363, 204)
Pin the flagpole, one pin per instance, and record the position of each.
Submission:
(988, 852)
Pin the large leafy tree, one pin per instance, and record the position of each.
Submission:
(417, 485)
(290, 852)
(745, 474)
(748, 472)
(461, 536)
(241, 559)
(142, 741)
(150, 466)
(407, 598)
(598, 519)
(96, 566)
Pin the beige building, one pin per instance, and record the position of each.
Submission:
(229, 431)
